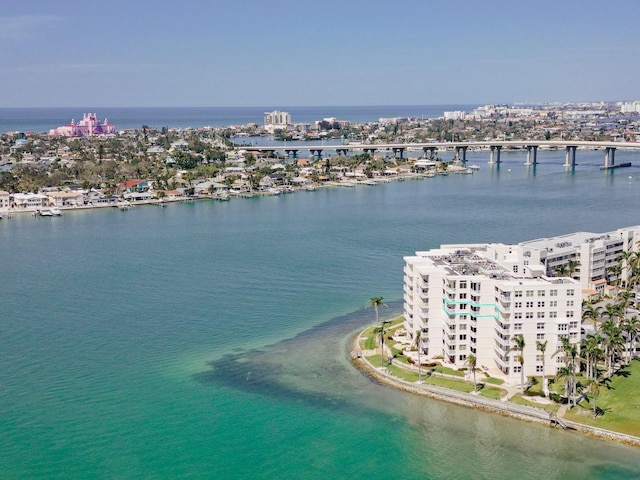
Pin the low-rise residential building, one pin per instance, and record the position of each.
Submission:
(65, 199)
(5, 200)
(29, 201)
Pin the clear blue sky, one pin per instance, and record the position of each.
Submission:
(362, 52)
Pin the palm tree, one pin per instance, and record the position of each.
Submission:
(570, 352)
(519, 347)
(542, 347)
(561, 270)
(592, 313)
(416, 341)
(631, 327)
(592, 353)
(472, 363)
(612, 343)
(628, 261)
(572, 266)
(376, 302)
(613, 273)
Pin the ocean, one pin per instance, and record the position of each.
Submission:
(210, 340)
(41, 120)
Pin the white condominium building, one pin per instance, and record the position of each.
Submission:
(595, 254)
(276, 120)
(474, 299)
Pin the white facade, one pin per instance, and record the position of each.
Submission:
(595, 252)
(474, 299)
(276, 120)
(30, 201)
(4, 200)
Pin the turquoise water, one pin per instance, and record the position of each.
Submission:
(210, 340)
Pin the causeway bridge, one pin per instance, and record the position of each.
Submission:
(494, 147)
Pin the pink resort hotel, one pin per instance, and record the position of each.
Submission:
(89, 125)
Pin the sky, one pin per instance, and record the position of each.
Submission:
(210, 53)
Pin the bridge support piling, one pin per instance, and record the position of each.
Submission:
(532, 161)
(398, 152)
(610, 157)
(462, 158)
(431, 151)
(495, 154)
(570, 156)
(316, 152)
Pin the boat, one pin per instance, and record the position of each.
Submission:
(310, 188)
(124, 205)
(474, 167)
(54, 212)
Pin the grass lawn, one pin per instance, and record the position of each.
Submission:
(492, 392)
(448, 371)
(522, 400)
(495, 381)
(620, 404)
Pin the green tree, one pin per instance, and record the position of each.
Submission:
(416, 341)
(376, 303)
(518, 346)
(542, 348)
(631, 327)
(471, 362)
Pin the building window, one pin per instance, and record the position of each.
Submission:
(462, 347)
(570, 314)
(517, 316)
(518, 304)
(569, 303)
(573, 324)
(463, 284)
(529, 305)
(462, 326)
(569, 293)
(515, 269)
(540, 304)
(563, 327)
(540, 326)
(463, 337)
(553, 293)
(540, 315)
(528, 315)
(463, 296)
(517, 369)
(538, 368)
(539, 358)
(517, 326)
(529, 293)
(518, 293)
(541, 293)
(540, 336)
(462, 357)
(553, 303)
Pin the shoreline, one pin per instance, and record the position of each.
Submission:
(519, 412)
(400, 177)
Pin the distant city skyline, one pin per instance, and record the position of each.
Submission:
(250, 53)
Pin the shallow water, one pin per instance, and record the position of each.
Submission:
(211, 339)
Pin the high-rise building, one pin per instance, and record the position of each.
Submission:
(474, 299)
